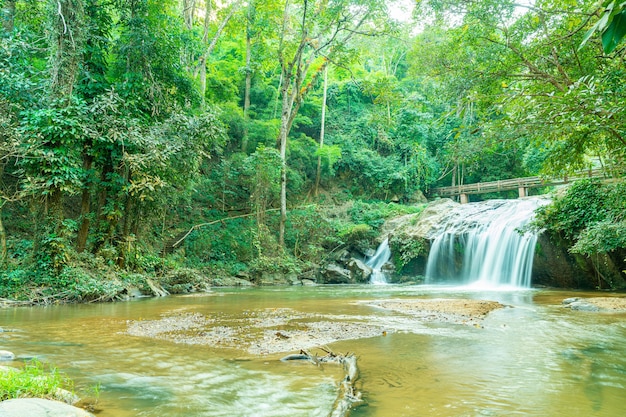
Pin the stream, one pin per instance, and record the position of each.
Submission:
(533, 358)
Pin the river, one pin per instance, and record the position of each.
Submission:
(533, 358)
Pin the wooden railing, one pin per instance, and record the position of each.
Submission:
(520, 184)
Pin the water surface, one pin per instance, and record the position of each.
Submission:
(534, 358)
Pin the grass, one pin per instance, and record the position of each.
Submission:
(33, 380)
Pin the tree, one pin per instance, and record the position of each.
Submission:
(529, 81)
(312, 33)
(8, 15)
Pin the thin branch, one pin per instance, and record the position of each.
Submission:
(240, 216)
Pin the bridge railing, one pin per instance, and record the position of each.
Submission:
(515, 184)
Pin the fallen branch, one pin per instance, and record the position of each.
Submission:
(348, 395)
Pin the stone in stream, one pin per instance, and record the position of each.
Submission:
(38, 407)
(5, 355)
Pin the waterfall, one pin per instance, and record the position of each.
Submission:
(481, 244)
(376, 262)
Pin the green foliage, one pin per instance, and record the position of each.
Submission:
(352, 234)
(611, 25)
(52, 141)
(375, 214)
(590, 215)
(406, 248)
(55, 248)
(33, 380)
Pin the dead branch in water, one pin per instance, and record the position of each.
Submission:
(348, 395)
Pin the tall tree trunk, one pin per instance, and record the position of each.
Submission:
(284, 131)
(3, 238)
(8, 15)
(318, 173)
(203, 59)
(85, 206)
(66, 35)
(189, 10)
(248, 85)
(3, 234)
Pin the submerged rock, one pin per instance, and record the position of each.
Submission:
(38, 407)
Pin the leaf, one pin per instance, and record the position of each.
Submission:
(614, 33)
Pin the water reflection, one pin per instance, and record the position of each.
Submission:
(532, 359)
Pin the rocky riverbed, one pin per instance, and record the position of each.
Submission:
(270, 331)
(602, 304)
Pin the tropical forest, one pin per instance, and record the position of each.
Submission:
(192, 189)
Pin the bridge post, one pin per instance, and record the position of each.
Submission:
(523, 192)
(464, 198)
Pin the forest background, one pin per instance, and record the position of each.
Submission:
(173, 143)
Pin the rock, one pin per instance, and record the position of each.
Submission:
(134, 292)
(334, 274)
(277, 278)
(229, 281)
(5, 355)
(38, 407)
(421, 225)
(388, 268)
(571, 300)
(360, 271)
(66, 396)
(339, 255)
(293, 279)
(308, 282)
(583, 306)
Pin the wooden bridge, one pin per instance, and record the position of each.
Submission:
(521, 184)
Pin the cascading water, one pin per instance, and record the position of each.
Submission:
(481, 244)
(376, 262)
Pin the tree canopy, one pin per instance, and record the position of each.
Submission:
(123, 123)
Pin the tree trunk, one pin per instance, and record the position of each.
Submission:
(85, 206)
(66, 35)
(8, 15)
(3, 239)
(189, 8)
(318, 173)
(284, 131)
(3, 235)
(246, 94)
(212, 45)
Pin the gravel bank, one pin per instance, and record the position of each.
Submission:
(270, 331)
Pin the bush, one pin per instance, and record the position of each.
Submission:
(592, 216)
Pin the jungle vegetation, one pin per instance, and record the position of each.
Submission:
(144, 138)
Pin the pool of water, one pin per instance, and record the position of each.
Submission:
(533, 358)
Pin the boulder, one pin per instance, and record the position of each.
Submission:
(5, 355)
(38, 407)
(360, 272)
(334, 274)
(308, 282)
(277, 278)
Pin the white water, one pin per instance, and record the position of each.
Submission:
(480, 244)
(376, 262)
